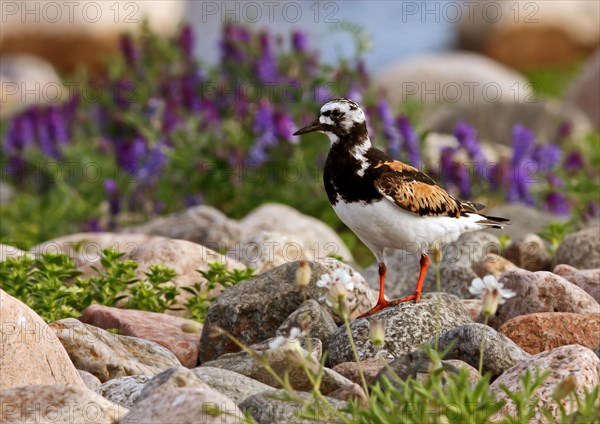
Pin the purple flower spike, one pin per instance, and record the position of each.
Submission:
(285, 127)
(128, 49)
(523, 143)
(574, 162)
(467, 138)
(186, 41)
(410, 141)
(114, 200)
(557, 203)
(300, 41)
(265, 128)
(389, 130)
(266, 67)
(547, 156)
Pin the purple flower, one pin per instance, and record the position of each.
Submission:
(186, 41)
(410, 141)
(128, 49)
(234, 36)
(389, 130)
(46, 142)
(547, 156)
(285, 127)
(266, 67)
(299, 41)
(322, 94)
(467, 139)
(20, 134)
(354, 94)
(58, 125)
(574, 162)
(592, 212)
(129, 152)
(265, 128)
(523, 143)
(521, 180)
(557, 203)
(154, 162)
(114, 197)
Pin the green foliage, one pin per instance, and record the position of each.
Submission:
(54, 289)
(555, 233)
(217, 275)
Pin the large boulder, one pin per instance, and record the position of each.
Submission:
(31, 353)
(583, 92)
(580, 250)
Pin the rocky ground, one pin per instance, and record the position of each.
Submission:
(158, 370)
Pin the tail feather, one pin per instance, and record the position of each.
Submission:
(494, 221)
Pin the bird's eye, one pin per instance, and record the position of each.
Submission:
(336, 113)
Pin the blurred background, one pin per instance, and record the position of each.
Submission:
(116, 113)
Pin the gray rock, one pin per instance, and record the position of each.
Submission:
(91, 381)
(408, 325)
(107, 355)
(456, 271)
(523, 219)
(587, 279)
(583, 91)
(580, 250)
(492, 264)
(186, 405)
(202, 224)
(123, 391)
(253, 310)
(282, 360)
(232, 384)
(269, 407)
(312, 318)
(528, 252)
(57, 403)
(321, 240)
(170, 379)
(500, 352)
(541, 291)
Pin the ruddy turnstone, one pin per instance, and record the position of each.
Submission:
(385, 202)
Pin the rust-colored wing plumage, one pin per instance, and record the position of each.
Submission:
(416, 192)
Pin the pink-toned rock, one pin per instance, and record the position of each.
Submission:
(528, 252)
(30, 352)
(541, 291)
(163, 329)
(543, 331)
(492, 264)
(562, 362)
(473, 306)
(370, 369)
(587, 279)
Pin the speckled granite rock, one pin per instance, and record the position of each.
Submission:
(315, 320)
(170, 379)
(108, 355)
(232, 384)
(408, 325)
(159, 328)
(254, 309)
(315, 235)
(39, 404)
(587, 279)
(201, 224)
(474, 375)
(91, 381)
(369, 367)
(541, 292)
(266, 250)
(562, 362)
(492, 264)
(500, 352)
(580, 250)
(123, 391)
(473, 306)
(186, 405)
(268, 408)
(542, 331)
(30, 353)
(528, 252)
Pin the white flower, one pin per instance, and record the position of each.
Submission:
(492, 292)
(339, 276)
(276, 342)
(291, 342)
(377, 333)
(325, 281)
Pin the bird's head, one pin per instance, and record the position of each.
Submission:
(340, 119)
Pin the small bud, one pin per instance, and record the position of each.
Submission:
(303, 274)
(377, 333)
(336, 298)
(437, 253)
(490, 303)
(191, 327)
(565, 388)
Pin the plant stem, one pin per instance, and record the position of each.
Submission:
(355, 352)
(438, 286)
(482, 345)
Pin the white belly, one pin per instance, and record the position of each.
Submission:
(383, 224)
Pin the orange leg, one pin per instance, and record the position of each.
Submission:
(416, 296)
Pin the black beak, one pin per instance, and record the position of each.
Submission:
(312, 127)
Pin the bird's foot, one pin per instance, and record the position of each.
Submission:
(387, 303)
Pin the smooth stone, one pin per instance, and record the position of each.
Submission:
(580, 250)
(57, 404)
(123, 391)
(408, 325)
(541, 291)
(166, 330)
(316, 236)
(201, 224)
(543, 331)
(523, 219)
(528, 252)
(500, 352)
(253, 310)
(107, 355)
(582, 92)
(186, 405)
(311, 317)
(587, 279)
(91, 381)
(562, 362)
(170, 379)
(369, 367)
(31, 354)
(492, 264)
(232, 384)
(473, 306)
